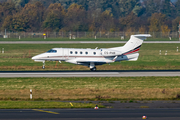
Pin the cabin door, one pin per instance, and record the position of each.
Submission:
(66, 53)
(61, 53)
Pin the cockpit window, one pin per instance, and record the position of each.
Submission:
(52, 51)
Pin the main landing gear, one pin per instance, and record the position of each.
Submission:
(92, 67)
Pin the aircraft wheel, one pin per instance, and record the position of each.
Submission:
(93, 69)
(43, 67)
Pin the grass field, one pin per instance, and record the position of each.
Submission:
(124, 88)
(82, 39)
(18, 57)
(43, 104)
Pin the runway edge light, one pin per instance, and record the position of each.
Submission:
(96, 107)
(30, 93)
(144, 117)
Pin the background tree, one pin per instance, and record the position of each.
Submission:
(175, 24)
(15, 23)
(76, 18)
(165, 30)
(54, 17)
(8, 24)
(138, 9)
(151, 6)
(6, 9)
(156, 21)
(177, 4)
(106, 21)
(29, 19)
(20, 3)
(130, 22)
(94, 18)
(167, 8)
(126, 7)
(92, 15)
(142, 29)
(34, 14)
(45, 3)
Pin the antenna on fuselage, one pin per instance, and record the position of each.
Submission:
(96, 48)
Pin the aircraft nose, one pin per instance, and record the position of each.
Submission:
(34, 58)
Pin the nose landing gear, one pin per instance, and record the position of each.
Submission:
(43, 67)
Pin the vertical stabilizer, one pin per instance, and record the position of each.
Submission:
(134, 43)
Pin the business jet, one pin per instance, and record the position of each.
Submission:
(93, 57)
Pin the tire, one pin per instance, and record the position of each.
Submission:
(93, 69)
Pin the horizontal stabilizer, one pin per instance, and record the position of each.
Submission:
(142, 35)
(134, 59)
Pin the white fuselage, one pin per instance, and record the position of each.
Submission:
(81, 56)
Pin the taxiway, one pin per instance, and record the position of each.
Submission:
(115, 73)
(77, 42)
(89, 114)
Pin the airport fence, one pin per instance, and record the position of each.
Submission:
(95, 35)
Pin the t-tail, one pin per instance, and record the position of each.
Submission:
(131, 48)
(134, 43)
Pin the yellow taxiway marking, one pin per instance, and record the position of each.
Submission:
(45, 111)
(71, 104)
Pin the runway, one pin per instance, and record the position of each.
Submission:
(89, 114)
(77, 42)
(115, 73)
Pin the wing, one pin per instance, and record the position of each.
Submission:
(87, 62)
(95, 62)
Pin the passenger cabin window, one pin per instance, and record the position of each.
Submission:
(76, 52)
(52, 51)
(86, 53)
(94, 53)
(71, 52)
(80, 52)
